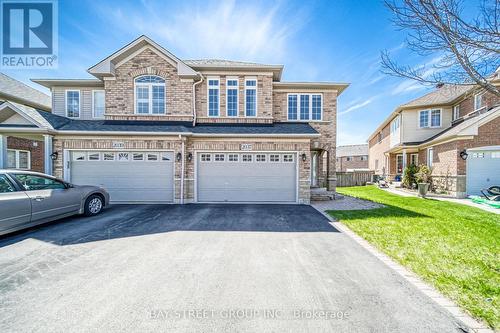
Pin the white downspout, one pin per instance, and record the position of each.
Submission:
(194, 98)
(182, 168)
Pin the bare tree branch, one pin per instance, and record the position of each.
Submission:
(468, 51)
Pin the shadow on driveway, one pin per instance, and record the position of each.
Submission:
(120, 221)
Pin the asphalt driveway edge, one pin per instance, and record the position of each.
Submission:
(444, 302)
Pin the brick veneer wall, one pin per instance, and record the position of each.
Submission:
(120, 91)
(264, 100)
(34, 147)
(355, 163)
(376, 151)
(467, 105)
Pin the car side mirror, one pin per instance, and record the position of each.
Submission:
(68, 185)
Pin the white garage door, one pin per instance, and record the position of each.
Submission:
(483, 170)
(246, 177)
(128, 176)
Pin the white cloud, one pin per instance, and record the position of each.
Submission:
(246, 31)
(356, 106)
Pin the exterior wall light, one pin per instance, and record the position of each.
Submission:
(178, 157)
(190, 157)
(463, 154)
(304, 157)
(54, 156)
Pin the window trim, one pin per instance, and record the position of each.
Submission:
(79, 102)
(429, 118)
(252, 78)
(150, 95)
(17, 151)
(402, 163)
(218, 95)
(310, 107)
(430, 161)
(455, 112)
(93, 105)
(233, 78)
(416, 159)
(478, 95)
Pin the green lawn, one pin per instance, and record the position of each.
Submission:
(454, 247)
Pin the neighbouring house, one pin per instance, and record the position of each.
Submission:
(150, 127)
(453, 129)
(352, 157)
(23, 151)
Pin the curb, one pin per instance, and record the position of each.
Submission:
(444, 302)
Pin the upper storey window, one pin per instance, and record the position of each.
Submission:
(430, 118)
(250, 97)
(232, 97)
(305, 107)
(98, 103)
(478, 101)
(73, 103)
(395, 125)
(149, 95)
(213, 97)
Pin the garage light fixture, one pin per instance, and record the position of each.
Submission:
(304, 157)
(190, 157)
(53, 156)
(463, 154)
(178, 157)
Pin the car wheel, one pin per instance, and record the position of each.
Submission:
(93, 205)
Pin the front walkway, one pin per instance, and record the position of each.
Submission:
(467, 202)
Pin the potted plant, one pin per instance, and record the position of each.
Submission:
(423, 177)
(409, 179)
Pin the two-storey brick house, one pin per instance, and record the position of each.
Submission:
(151, 127)
(453, 129)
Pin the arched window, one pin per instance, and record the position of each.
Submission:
(150, 95)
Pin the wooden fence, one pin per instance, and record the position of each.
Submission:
(354, 178)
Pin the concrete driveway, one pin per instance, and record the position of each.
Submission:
(245, 268)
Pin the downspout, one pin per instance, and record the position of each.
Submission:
(182, 168)
(194, 98)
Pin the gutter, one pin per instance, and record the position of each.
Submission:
(194, 98)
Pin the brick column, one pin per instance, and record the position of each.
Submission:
(331, 176)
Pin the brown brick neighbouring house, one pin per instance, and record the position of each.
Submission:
(352, 157)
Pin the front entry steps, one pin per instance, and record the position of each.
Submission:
(322, 194)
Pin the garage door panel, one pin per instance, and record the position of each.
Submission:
(231, 181)
(127, 181)
(483, 170)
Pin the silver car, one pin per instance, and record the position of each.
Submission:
(31, 198)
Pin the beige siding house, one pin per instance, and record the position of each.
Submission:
(151, 127)
(453, 130)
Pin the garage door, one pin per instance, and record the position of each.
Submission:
(483, 170)
(128, 176)
(246, 177)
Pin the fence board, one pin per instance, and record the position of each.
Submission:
(354, 178)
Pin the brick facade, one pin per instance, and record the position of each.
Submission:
(356, 162)
(377, 160)
(35, 148)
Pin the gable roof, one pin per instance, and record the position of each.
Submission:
(106, 66)
(14, 90)
(446, 94)
(352, 150)
(32, 115)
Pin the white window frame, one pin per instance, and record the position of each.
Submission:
(364, 157)
(272, 156)
(143, 156)
(416, 158)
(150, 95)
(233, 78)
(17, 151)
(310, 107)
(219, 157)
(256, 95)
(152, 154)
(93, 103)
(285, 158)
(243, 158)
(257, 156)
(206, 157)
(478, 96)
(109, 153)
(402, 163)
(93, 153)
(79, 102)
(396, 123)
(233, 160)
(430, 157)
(456, 112)
(218, 95)
(429, 118)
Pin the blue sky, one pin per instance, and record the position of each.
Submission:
(336, 40)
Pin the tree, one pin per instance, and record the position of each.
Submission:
(467, 50)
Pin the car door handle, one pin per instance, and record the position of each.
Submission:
(38, 198)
